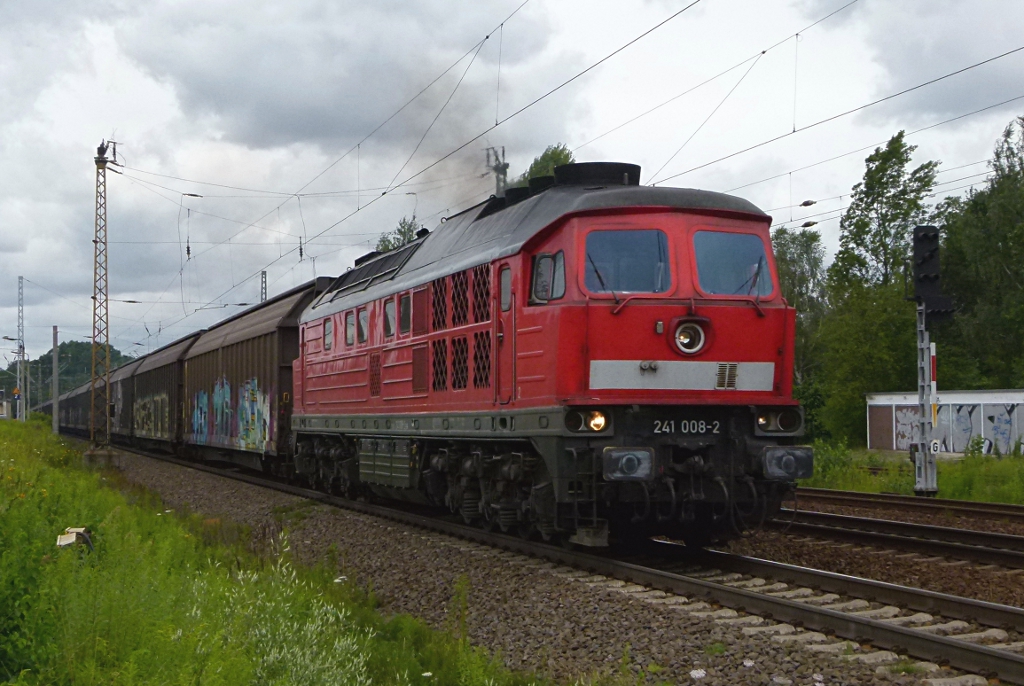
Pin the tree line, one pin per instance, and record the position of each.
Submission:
(855, 327)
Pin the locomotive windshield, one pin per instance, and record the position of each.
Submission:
(731, 263)
(627, 262)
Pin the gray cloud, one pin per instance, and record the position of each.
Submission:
(325, 72)
(914, 42)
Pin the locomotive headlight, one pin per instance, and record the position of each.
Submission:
(689, 338)
(596, 421)
(764, 420)
(789, 420)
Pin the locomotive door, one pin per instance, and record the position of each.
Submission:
(506, 331)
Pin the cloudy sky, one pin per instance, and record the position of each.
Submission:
(273, 113)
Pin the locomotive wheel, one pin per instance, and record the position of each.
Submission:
(527, 530)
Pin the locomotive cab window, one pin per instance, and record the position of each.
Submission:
(627, 262)
(362, 324)
(404, 313)
(389, 317)
(328, 333)
(548, 277)
(506, 289)
(732, 264)
(350, 328)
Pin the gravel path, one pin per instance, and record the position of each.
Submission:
(956, 577)
(536, 617)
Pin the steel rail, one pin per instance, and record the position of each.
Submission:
(918, 599)
(935, 505)
(980, 546)
(959, 654)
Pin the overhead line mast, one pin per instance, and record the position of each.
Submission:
(99, 415)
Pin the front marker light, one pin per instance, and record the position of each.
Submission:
(596, 421)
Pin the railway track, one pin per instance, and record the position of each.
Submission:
(905, 502)
(855, 619)
(984, 547)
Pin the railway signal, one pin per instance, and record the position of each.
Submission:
(931, 306)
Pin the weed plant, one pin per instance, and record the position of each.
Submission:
(978, 477)
(155, 603)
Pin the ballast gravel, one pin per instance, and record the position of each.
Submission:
(980, 522)
(564, 624)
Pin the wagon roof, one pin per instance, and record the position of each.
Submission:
(280, 311)
(166, 355)
(126, 370)
(479, 236)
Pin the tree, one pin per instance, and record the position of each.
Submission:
(404, 233)
(867, 338)
(75, 358)
(983, 270)
(867, 346)
(544, 165)
(875, 231)
(800, 258)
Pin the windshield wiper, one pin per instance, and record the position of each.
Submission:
(600, 279)
(757, 274)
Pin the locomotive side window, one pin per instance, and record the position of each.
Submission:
(362, 324)
(506, 289)
(731, 263)
(627, 262)
(548, 277)
(328, 333)
(404, 313)
(389, 317)
(350, 328)
(558, 278)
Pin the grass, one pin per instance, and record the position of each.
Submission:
(976, 477)
(715, 649)
(179, 600)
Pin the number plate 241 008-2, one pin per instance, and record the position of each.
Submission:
(688, 427)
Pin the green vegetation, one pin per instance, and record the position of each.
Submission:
(175, 599)
(715, 649)
(855, 332)
(403, 234)
(977, 477)
(904, 667)
(545, 163)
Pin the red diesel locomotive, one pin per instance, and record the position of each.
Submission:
(583, 357)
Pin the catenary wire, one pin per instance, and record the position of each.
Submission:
(873, 145)
(842, 114)
(720, 74)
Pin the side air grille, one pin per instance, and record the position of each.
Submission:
(375, 374)
(726, 379)
(440, 366)
(460, 363)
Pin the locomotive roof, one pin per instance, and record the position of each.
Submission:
(480, 235)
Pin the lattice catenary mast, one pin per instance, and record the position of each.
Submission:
(99, 415)
(22, 405)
